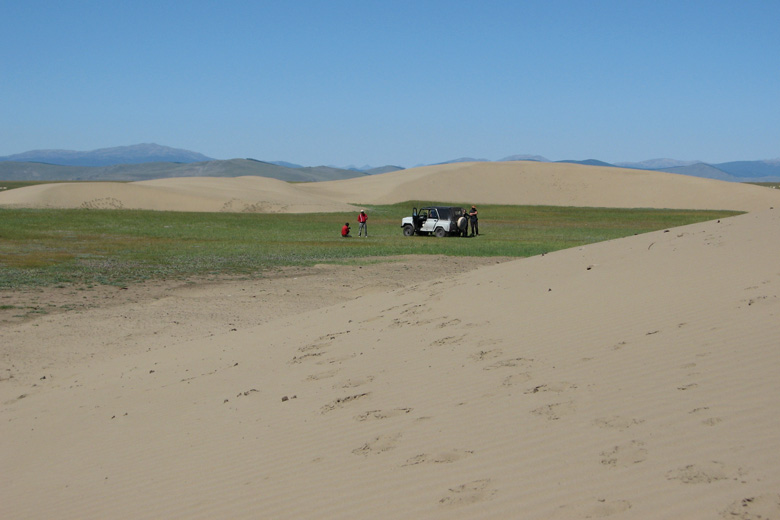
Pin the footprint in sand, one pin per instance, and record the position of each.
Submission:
(483, 355)
(625, 455)
(339, 359)
(354, 383)
(448, 323)
(378, 445)
(342, 401)
(709, 421)
(446, 457)
(703, 473)
(306, 357)
(754, 508)
(323, 375)
(557, 388)
(396, 323)
(619, 346)
(469, 493)
(617, 422)
(312, 346)
(382, 414)
(553, 412)
(510, 363)
(448, 340)
(332, 335)
(516, 379)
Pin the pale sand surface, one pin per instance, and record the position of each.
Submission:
(209, 194)
(555, 184)
(635, 378)
(518, 182)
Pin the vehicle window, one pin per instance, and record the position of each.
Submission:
(434, 214)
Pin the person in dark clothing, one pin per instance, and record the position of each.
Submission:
(474, 221)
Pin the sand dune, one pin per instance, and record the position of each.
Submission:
(209, 194)
(555, 184)
(635, 378)
(516, 182)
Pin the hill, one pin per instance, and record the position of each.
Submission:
(655, 164)
(736, 171)
(135, 154)
(23, 171)
(167, 162)
(524, 157)
(742, 171)
(703, 170)
(523, 182)
(383, 169)
(588, 162)
(753, 170)
(554, 184)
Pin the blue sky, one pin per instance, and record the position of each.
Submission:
(395, 82)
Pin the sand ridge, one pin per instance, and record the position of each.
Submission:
(517, 182)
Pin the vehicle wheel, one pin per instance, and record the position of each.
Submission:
(440, 232)
(408, 231)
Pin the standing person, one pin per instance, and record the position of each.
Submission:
(345, 230)
(474, 221)
(362, 218)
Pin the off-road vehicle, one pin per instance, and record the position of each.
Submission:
(438, 220)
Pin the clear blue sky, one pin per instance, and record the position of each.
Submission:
(394, 81)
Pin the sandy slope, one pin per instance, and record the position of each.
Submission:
(212, 194)
(556, 184)
(635, 378)
(518, 182)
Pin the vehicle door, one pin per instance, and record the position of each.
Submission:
(430, 223)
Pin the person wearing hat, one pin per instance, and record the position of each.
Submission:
(474, 221)
(362, 218)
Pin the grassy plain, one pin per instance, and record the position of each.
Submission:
(44, 247)
(774, 185)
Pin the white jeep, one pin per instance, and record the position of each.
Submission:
(437, 220)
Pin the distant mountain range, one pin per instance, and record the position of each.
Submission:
(136, 154)
(739, 171)
(152, 161)
(28, 171)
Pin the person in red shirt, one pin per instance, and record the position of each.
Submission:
(362, 218)
(345, 230)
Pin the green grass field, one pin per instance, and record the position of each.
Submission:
(774, 185)
(50, 247)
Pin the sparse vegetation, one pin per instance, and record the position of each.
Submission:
(55, 247)
(774, 185)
